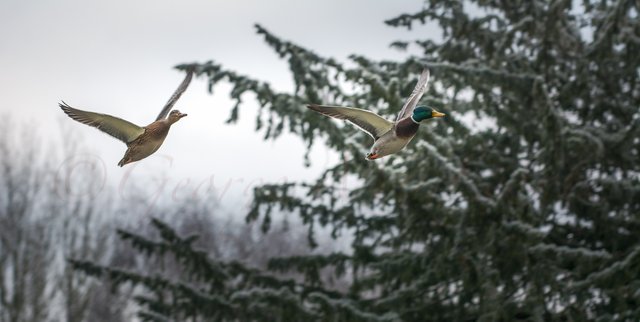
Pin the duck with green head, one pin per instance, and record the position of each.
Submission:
(389, 137)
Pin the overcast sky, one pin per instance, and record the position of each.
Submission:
(117, 57)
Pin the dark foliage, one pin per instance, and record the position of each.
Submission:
(531, 214)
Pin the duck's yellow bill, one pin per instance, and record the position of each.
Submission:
(435, 113)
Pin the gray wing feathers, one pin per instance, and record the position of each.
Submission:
(416, 95)
(120, 129)
(176, 95)
(367, 121)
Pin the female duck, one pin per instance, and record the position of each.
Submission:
(141, 141)
(390, 137)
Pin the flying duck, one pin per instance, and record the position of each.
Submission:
(141, 141)
(389, 137)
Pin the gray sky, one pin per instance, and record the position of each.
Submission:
(117, 57)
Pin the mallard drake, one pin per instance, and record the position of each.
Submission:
(141, 141)
(389, 137)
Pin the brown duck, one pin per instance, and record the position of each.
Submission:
(141, 141)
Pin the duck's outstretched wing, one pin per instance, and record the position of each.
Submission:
(120, 129)
(416, 95)
(176, 95)
(367, 121)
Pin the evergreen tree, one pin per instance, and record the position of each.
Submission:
(532, 216)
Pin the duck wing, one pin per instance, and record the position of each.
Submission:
(120, 129)
(176, 95)
(416, 95)
(367, 121)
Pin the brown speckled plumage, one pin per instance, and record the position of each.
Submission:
(153, 137)
(141, 141)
